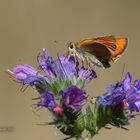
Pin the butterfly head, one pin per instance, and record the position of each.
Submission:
(72, 48)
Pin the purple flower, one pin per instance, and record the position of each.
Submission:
(132, 92)
(135, 106)
(61, 67)
(137, 83)
(26, 74)
(73, 97)
(64, 67)
(123, 92)
(60, 73)
(21, 72)
(47, 100)
(86, 74)
(113, 95)
(35, 80)
(69, 65)
(43, 60)
(127, 82)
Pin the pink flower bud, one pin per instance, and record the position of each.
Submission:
(58, 110)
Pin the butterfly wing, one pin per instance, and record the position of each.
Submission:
(116, 46)
(102, 48)
(108, 41)
(105, 49)
(121, 45)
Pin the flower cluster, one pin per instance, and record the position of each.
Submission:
(62, 84)
(61, 91)
(124, 94)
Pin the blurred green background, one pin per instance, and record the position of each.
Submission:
(27, 26)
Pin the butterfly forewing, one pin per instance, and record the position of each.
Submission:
(108, 41)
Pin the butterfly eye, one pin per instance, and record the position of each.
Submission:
(71, 47)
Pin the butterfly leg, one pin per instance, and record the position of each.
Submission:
(89, 66)
(84, 61)
(75, 59)
(67, 57)
(88, 62)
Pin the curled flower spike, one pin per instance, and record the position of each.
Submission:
(23, 71)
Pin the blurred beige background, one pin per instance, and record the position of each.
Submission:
(27, 26)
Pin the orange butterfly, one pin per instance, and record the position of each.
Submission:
(99, 51)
